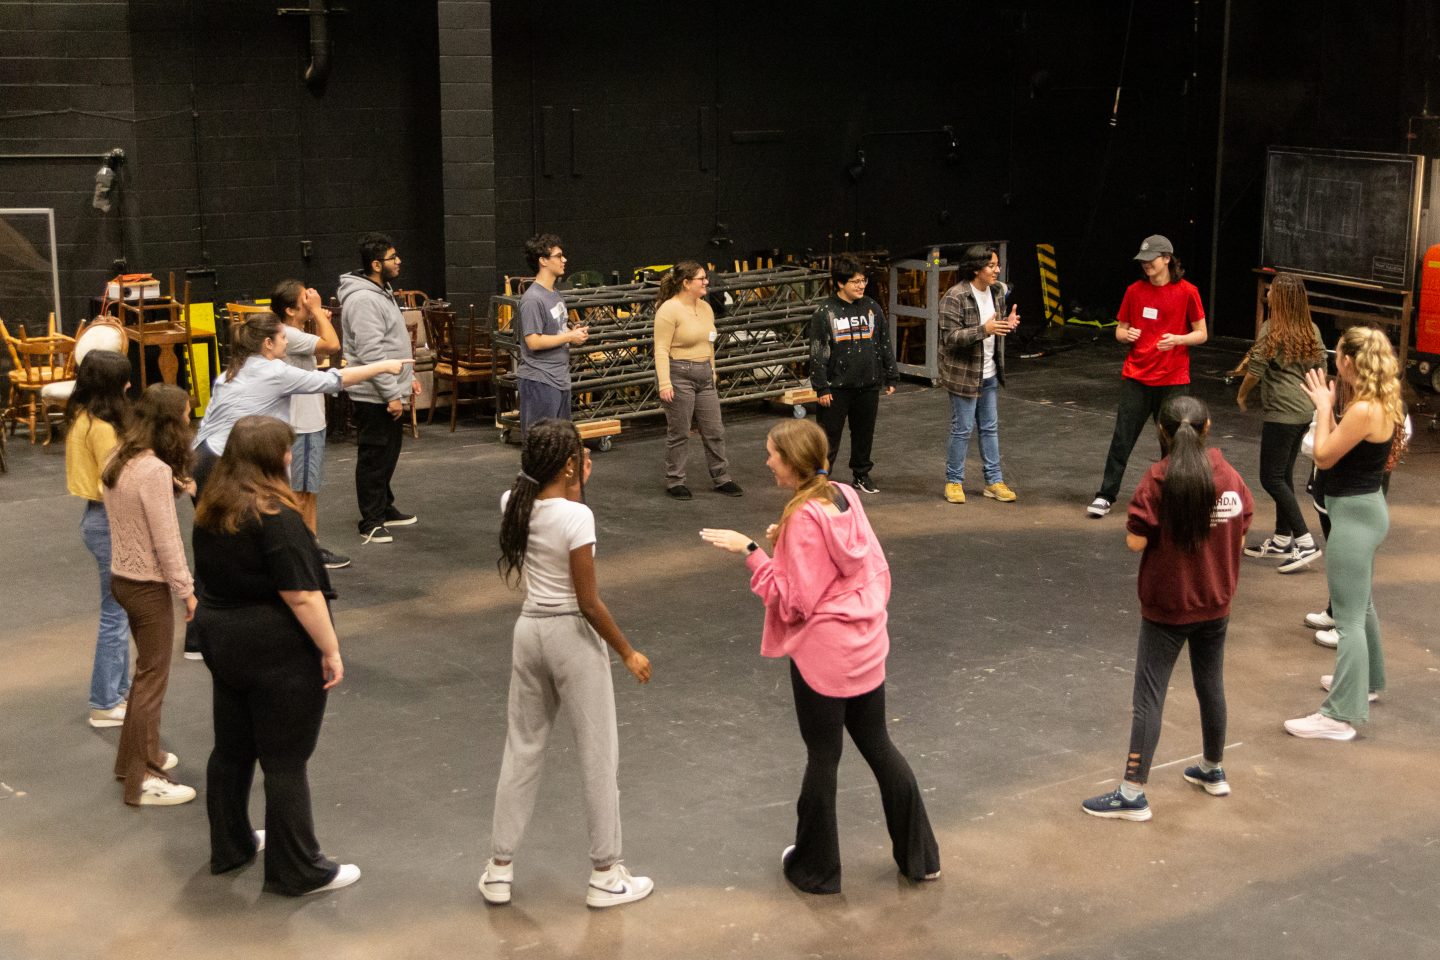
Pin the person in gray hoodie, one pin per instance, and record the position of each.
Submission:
(374, 329)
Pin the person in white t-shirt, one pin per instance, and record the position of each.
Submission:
(559, 662)
(312, 336)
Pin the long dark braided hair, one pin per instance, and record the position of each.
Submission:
(548, 446)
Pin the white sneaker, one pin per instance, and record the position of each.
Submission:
(1319, 621)
(194, 655)
(495, 881)
(1098, 508)
(171, 761)
(610, 888)
(1328, 638)
(156, 792)
(114, 717)
(1328, 680)
(259, 840)
(348, 874)
(1317, 726)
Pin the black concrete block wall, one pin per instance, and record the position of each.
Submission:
(467, 125)
(232, 162)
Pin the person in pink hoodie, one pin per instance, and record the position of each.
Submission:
(825, 592)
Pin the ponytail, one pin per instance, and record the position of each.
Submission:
(674, 281)
(801, 444)
(549, 445)
(1187, 494)
(248, 337)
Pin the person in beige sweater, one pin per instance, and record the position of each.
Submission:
(149, 469)
(685, 371)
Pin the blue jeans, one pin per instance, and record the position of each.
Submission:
(110, 677)
(965, 413)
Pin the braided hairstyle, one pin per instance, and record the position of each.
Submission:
(549, 445)
(1291, 334)
(1187, 494)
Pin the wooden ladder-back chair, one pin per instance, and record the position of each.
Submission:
(37, 362)
(166, 334)
(411, 299)
(463, 355)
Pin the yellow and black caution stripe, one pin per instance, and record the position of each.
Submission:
(1050, 290)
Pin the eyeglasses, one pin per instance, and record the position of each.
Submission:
(702, 278)
(554, 256)
(860, 280)
(393, 256)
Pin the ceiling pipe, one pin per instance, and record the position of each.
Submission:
(318, 70)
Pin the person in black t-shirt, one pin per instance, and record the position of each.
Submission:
(265, 632)
(851, 362)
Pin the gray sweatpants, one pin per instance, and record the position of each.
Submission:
(559, 662)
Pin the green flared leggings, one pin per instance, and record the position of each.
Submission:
(1357, 528)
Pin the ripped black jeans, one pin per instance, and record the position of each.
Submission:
(1155, 658)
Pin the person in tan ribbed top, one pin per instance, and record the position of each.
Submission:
(150, 467)
(685, 370)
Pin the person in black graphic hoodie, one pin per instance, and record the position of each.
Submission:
(851, 362)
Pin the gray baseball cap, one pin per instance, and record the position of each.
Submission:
(1153, 247)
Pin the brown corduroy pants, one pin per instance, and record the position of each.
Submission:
(152, 624)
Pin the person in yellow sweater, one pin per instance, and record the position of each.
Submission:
(98, 409)
(685, 370)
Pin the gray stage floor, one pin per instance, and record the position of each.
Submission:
(1013, 630)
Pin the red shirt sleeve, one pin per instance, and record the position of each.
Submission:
(1126, 313)
(1194, 310)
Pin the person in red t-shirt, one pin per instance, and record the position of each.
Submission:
(1161, 318)
(1189, 517)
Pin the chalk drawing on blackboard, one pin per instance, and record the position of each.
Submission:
(1333, 207)
(1387, 270)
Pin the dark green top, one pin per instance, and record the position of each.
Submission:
(1282, 385)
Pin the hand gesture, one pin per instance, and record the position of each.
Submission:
(579, 335)
(667, 394)
(332, 668)
(729, 540)
(1131, 334)
(1320, 389)
(639, 666)
(1169, 341)
(771, 531)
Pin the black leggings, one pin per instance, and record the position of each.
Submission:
(1279, 446)
(814, 866)
(1159, 648)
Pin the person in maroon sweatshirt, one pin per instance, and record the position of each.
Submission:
(1188, 521)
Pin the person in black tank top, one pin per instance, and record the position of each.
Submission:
(1355, 467)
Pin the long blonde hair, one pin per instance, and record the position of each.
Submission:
(1377, 373)
(802, 447)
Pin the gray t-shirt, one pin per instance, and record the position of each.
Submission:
(543, 311)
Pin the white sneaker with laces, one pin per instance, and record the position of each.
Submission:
(156, 792)
(1328, 638)
(1098, 508)
(610, 888)
(1317, 726)
(495, 881)
(1319, 621)
(1328, 680)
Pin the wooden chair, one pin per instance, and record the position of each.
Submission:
(165, 334)
(462, 356)
(37, 361)
(102, 333)
(411, 299)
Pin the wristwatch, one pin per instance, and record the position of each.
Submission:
(751, 547)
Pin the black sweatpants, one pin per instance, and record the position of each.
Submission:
(814, 866)
(379, 436)
(1138, 403)
(1155, 658)
(860, 407)
(269, 700)
(1279, 447)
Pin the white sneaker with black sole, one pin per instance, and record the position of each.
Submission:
(1319, 621)
(610, 888)
(1300, 558)
(1271, 548)
(1098, 508)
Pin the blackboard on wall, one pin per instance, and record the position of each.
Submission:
(1342, 214)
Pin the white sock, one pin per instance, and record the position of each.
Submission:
(1306, 542)
(1131, 792)
(1281, 541)
(1206, 766)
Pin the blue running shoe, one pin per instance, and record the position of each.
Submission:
(1114, 806)
(1213, 782)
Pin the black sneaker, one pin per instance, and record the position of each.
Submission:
(1271, 549)
(1114, 806)
(1213, 782)
(376, 534)
(332, 560)
(679, 492)
(394, 518)
(864, 485)
(730, 488)
(1299, 558)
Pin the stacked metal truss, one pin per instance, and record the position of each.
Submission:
(762, 345)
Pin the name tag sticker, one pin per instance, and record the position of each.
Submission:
(558, 311)
(1150, 313)
(712, 336)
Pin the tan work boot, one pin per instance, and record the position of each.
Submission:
(998, 491)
